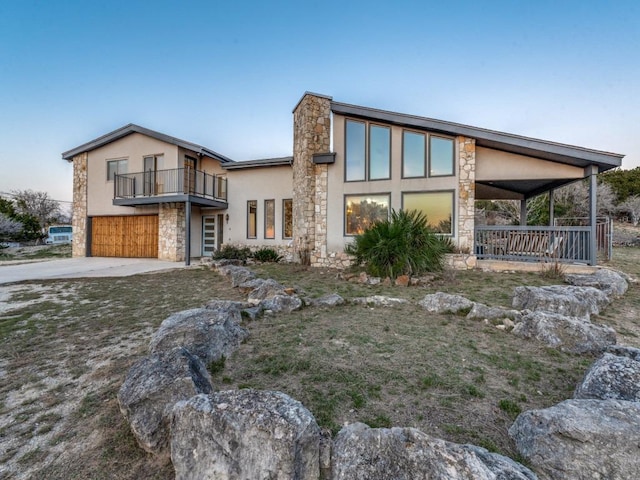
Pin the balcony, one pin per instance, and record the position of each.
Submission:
(174, 185)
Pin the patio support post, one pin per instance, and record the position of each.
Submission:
(592, 171)
(551, 207)
(523, 211)
(187, 228)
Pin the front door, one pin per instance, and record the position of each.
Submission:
(209, 244)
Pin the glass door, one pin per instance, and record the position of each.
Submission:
(209, 244)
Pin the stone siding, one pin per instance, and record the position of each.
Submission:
(79, 219)
(466, 192)
(171, 232)
(311, 134)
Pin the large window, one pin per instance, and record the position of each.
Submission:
(269, 219)
(437, 206)
(440, 156)
(367, 157)
(379, 152)
(413, 154)
(116, 166)
(362, 211)
(414, 158)
(287, 218)
(252, 218)
(355, 151)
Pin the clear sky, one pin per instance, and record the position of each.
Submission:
(226, 74)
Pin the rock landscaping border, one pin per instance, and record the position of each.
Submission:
(169, 402)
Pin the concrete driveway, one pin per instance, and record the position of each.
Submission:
(83, 267)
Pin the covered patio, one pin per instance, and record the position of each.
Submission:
(525, 168)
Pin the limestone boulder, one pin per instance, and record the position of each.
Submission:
(567, 300)
(152, 387)
(267, 289)
(244, 434)
(281, 304)
(441, 303)
(622, 351)
(331, 300)
(363, 453)
(206, 333)
(379, 301)
(581, 439)
(480, 311)
(569, 334)
(238, 275)
(230, 306)
(610, 282)
(224, 262)
(611, 377)
(250, 285)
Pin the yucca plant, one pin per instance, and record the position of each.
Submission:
(401, 245)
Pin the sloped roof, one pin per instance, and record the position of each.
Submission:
(507, 142)
(132, 128)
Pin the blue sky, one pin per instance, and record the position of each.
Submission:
(227, 74)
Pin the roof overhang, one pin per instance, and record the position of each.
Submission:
(132, 128)
(532, 147)
(263, 162)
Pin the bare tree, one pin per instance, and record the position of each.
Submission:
(36, 204)
(631, 206)
(575, 199)
(9, 228)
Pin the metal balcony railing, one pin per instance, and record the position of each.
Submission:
(177, 181)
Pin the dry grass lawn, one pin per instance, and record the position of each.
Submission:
(65, 347)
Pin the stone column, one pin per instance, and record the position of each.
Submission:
(311, 134)
(171, 232)
(79, 219)
(466, 192)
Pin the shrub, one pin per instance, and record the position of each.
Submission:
(232, 252)
(401, 245)
(266, 254)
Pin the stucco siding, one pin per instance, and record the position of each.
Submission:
(496, 165)
(133, 148)
(260, 184)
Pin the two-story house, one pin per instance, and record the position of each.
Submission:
(138, 192)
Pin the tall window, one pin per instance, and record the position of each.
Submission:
(355, 151)
(362, 211)
(252, 218)
(116, 166)
(269, 219)
(367, 157)
(287, 218)
(379, 152)
(440, 156)
(437, 206)
(413, 154)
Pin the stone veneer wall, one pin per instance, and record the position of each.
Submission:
(171, 232)
(466, 192)
(311, 134)
(79, 219)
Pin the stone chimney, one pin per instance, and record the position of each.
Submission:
(311, 134)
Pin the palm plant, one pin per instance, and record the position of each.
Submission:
(401, 245)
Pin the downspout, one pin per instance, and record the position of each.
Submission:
(552, 206)
(187, 247)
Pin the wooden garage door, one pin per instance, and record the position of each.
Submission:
(131, 236)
